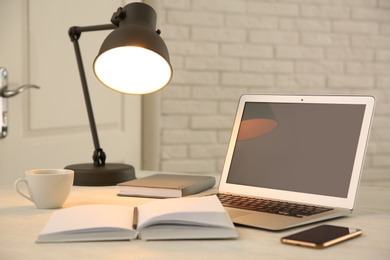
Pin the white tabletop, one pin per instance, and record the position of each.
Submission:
(21, 222)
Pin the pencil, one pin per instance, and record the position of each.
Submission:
(135, 218)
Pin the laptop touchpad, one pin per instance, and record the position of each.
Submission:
(235, 213)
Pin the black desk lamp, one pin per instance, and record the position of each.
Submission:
(133, 59)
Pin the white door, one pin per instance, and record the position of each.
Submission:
(48, 128)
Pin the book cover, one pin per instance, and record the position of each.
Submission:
(180, 218)
(166, 186)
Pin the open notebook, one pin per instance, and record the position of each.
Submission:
(299, 149)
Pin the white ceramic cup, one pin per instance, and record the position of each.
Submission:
(48, 188)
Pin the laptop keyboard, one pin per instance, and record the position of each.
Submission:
(270, 206)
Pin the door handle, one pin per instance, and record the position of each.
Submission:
(10, 93)
(5, 93)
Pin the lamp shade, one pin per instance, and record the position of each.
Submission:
(257, 120)
(134, 59)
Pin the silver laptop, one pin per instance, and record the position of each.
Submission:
(295, 152)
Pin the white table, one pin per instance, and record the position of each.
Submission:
(21, 222)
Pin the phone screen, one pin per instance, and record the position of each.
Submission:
(322, 236)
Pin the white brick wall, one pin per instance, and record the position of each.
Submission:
(221, 49)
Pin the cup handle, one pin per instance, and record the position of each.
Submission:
(17, 188)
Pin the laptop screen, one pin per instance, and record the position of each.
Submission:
(299, 147)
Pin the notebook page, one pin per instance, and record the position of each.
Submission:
(192, 210)
(89, 217)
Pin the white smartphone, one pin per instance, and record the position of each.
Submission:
(321, 236)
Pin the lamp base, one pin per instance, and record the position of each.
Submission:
(87, 174)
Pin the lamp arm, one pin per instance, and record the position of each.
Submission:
(99, 156)
(75, 31)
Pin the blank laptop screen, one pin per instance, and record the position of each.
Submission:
(308, 148)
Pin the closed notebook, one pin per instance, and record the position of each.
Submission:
(180, 218)
(166, 186)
